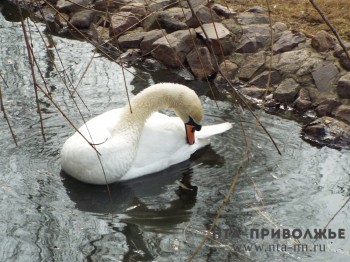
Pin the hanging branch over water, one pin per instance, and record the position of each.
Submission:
(31, 63)
(2, 108)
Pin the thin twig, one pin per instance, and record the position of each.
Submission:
(31, 63)
(2, 108)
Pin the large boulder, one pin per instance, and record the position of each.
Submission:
(138, 9)
(158, 5)
(343, 87)
(82, 19)
(251, 18)
(288, 41)
(251, 65)
(325, 76)
(227, 70)
(103, 5)
(122, 22)
(343, 58)
(262, 79)
(303, 101)
(203, 14)
(172, 49)
(322, 41)
(149, 38)
(253, 91)
(327, 131)
(343, 113)
(290, 62)
(223, 11)
(201, 62)
(131, 39)
(71, 6)
(253, 38)
(287, 91)
(219, 37)
(171, 20)
(327, 106)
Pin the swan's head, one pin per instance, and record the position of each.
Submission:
(191, 113)
(183, 100)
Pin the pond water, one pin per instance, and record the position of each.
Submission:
(47, 216)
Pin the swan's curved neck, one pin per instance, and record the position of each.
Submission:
(144, 104)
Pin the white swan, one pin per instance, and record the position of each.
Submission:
(133, 144)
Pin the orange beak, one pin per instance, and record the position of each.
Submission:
(190, 129)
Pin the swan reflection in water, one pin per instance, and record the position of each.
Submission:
(138, 201)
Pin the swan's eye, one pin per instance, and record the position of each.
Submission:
(194, 124)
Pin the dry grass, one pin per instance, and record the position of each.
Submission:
(300, 14)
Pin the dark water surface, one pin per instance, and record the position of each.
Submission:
(46, 216)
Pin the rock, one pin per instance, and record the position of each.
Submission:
(249, 18)
(201, 63)
(256, 10)
(82, 19)
(326, 107)
(194, 3)
(122, 22)
(234, 28)
(218, 36)
(254, 92)
(288, 41)
(158, 5)
(149, 38)
(151, 65)
(131, 39)
(289, 62)
(309, 65)
(325, 77)
(71, 5)
(343, 87)
(61, 20)
(251, 65)
(261, 79)
(327, 131)
(173, 55)
(45, 13)
(171, 19)
(322, 41)
(303, 101)
(343, 113)
(279, 27)
(130, 56)
(223, 11)
(344, 61)
(170, 22)
(138, 9)
(286, 91)
(253, 38)
(339, 50)
(204, 15)
(229, 70)
(103, 5)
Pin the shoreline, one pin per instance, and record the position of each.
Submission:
(310, 75)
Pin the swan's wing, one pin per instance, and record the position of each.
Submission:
(163, 143)
(208, 131)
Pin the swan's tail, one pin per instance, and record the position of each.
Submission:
(208, 131)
